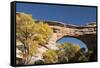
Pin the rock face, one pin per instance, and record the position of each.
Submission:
(87, 33)
(52, 42)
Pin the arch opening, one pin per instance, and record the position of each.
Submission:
(74, 41)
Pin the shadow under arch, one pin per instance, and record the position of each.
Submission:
(74, 40)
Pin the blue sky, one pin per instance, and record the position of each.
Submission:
(67, 14)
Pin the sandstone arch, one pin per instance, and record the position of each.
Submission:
(87, 33)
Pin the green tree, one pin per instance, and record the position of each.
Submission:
(79, 56)
(70, 49)
(62, 58)
(50, 56)
(74, 52)
(67, 51)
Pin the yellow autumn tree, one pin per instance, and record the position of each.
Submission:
(50, 56)
(44, 32)
(25, 31)
(31, 34)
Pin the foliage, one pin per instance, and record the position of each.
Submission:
(79, 57)
(50, 56)
(62, 58)
(44, 32)
(67, 51)
(31, 34)
(39, 62)
(33, 49)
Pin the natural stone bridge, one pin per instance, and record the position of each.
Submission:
(87, 33)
